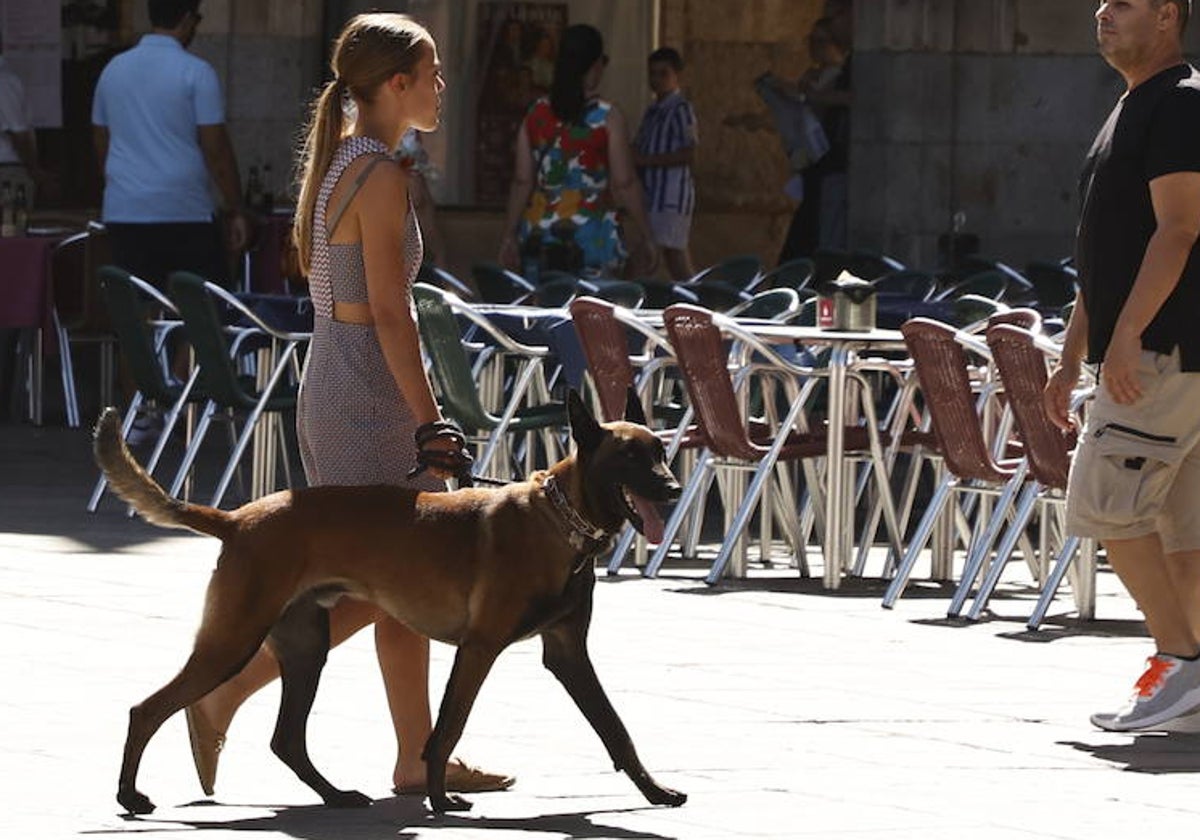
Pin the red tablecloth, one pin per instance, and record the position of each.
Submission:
(25, 280)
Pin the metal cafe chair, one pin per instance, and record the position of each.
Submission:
(269, 394)
(942, 367)
(142, 341)
(527, 409)
(737, 444)
(1022, 366)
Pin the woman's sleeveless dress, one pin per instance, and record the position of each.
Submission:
(352, 422)
(571, 196)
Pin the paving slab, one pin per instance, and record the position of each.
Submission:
(782, 710)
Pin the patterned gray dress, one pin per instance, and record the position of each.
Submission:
(353, 424)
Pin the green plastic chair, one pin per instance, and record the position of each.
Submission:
(442, 341)
(141, 341)
(230, 392)
(794, 274)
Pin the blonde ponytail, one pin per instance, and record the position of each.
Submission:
(372, 48)
(325, 127)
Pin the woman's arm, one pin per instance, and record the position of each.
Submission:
(381, 209)
(518, 197)
(626, 188)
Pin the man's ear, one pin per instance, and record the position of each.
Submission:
(633, 407)
(584, 428)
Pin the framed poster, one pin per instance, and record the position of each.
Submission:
(517, 45)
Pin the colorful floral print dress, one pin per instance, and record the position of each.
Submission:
(571, 198)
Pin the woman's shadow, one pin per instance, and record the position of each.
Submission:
(399, 818)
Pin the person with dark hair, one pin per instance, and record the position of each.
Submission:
(663, 152)
(158, 120)
(366, 413)
(573, 173)
(821, 219)
(1135, 475)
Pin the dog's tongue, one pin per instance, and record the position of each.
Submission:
(652, 521)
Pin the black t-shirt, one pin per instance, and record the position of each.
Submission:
(1154, 130)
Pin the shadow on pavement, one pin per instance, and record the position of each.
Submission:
(1149, 753)
(390, 819)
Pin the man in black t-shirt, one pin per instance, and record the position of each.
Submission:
(1135, 476)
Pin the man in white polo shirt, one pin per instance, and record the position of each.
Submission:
(18, 143)
(159, 128)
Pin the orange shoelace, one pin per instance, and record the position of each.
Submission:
(1157, 669)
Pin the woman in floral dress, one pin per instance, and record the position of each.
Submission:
(574, 172)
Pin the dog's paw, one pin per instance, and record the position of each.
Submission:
(135, 802)
(665, 796)
(348, 799)
(448, 802)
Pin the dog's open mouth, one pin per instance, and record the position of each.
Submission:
(644, 515)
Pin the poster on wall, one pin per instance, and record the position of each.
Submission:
(517, 46)
(32, 45)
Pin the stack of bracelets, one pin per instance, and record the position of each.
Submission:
(457, 462)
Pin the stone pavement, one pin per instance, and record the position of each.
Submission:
(782, 710)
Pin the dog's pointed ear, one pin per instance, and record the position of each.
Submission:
(633, 407)
(584, 428)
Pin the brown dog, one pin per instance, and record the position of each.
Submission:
(476, 568)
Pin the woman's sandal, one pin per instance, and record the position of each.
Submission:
(463, 778)
(207, 743)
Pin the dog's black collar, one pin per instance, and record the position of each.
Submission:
(586, 538)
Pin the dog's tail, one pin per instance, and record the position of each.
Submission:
(135, 486)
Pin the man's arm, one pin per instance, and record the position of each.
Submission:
(1176, 201)
(100, 144)
(222, 167)
(1057, 396)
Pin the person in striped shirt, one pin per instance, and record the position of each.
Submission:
(663, 151)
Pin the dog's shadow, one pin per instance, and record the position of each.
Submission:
(1149, 753)
(399, 818)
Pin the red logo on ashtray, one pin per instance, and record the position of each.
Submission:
(824, 312)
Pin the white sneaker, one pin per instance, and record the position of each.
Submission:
(1169, 689)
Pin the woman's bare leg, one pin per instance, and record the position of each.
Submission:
(218, 707)
(404, 663)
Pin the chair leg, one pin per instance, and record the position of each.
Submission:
(67, 369)
(924, 530)
(1020, 519)
(1061, 563)
(981, 543)
(688, 498)
(210, 409)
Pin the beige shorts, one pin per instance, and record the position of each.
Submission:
(1136, 470)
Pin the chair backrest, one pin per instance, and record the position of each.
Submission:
(1054, 284)
(74, 272)
(909, 283)
(772, 304)
(557, 290)
(1022, 368)
(206, 332)
(442, 340)
(625, 293)
(740, 272)
(1021, 316)
(703, 362)
(435, 276)
(127, 312)
(869, 265)
(793, 274)
(606, 348)
(716, 295)
(942, 371)
(497, 284)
